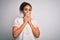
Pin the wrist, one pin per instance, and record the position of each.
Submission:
(24, 22)
(30, 22)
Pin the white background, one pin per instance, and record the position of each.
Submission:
(46, 11)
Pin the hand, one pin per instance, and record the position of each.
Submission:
(29, 18)
(25, 19)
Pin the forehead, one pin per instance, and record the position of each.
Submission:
(27, 6)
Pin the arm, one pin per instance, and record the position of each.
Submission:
(17, 31)
(35, 30)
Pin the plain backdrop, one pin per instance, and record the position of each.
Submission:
(46, 11)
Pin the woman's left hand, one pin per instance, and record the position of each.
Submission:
(29, 19)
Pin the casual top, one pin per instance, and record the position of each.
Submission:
(26, 34)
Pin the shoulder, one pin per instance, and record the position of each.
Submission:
(18, 19)
(35, 20)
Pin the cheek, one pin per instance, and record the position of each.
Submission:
(25, 11)
(29, 11)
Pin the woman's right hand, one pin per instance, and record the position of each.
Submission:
(25, 19)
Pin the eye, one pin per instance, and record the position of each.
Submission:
(25, 9)
(29, 9)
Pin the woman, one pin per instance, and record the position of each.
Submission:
(25, 28)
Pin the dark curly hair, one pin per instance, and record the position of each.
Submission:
(23, 5)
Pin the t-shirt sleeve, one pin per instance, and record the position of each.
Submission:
(17, 22)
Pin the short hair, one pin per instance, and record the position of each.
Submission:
(23, 5)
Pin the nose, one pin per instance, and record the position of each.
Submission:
(28, 12)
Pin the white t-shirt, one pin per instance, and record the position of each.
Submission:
(26, 34)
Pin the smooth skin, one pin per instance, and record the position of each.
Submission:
(26, 19)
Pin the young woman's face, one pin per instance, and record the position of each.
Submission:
(27, 10)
